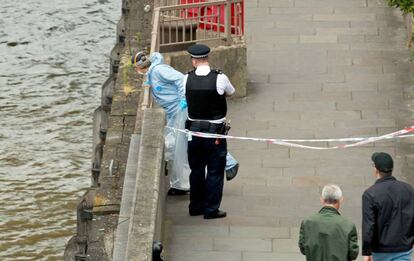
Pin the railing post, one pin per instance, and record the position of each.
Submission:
(155, 31)
(227, 22)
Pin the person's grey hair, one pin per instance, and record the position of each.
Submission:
(331, 194)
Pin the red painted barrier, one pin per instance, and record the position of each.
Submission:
(212, 23)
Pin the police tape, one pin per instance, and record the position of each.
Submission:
(292, 142)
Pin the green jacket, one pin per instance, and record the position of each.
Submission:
(327, 236)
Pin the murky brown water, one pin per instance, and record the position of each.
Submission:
(53, 60)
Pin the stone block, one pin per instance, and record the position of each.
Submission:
(351, 86)
(260, 11)
(305, 106)
(331, 115)
(330, 3)
(201, 231)
(278, 4)
(285, 245)
(351, 39)
(302, 10)
(259, 232)
(374, 69)
(193, 243)
(378, 114)
(177, 255)
(344, 17)
(377, 23)
(322, 96)
(306, 78)
(143, 228)
(312, 24)
(370, 46)
(374, 123)
(347, 31)
(353, 10)
(300, 171)
(318, 38)
(278, 181)
(312, 46)
(243, 220)
(360, 105)
(242, 244)
(257, 256)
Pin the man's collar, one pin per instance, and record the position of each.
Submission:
(203, 69)
(385, 179)
(329, 209)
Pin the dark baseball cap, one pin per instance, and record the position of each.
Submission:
(383, 162)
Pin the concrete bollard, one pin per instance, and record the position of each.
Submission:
(96, 164)
(103, 127)
(108, 93)
(97, 119)
(125, 7)
(114, 60)
(120, 32)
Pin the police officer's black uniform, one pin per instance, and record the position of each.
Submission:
(205, 104)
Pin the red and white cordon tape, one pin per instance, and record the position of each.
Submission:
(291, 142)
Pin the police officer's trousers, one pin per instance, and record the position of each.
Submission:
(206, 190)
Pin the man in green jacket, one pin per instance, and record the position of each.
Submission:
(327, 236)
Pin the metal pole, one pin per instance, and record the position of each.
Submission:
(155, 30)
(227, 22)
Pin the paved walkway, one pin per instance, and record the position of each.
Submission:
(317, 69)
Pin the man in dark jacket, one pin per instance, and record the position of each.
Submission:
(327, 236)
(387, 215)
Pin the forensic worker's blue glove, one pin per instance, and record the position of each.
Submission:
(183, 104)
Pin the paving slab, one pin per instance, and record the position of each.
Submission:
(316, 69)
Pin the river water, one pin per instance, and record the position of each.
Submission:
(54, 57)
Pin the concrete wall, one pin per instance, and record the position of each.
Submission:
(150, 190)
(230, 59)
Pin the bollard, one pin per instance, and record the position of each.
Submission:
(97, 120)
(100, 129)
(96, 164)
(125, 7)
(86, 212)
(157, 251)
(120, 31)
(103, 127)
(114, 60)
(107, 93)
(121, 37)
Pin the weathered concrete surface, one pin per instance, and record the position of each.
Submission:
(230, 59)
(317, 69)
(150, 192)
(128, 190)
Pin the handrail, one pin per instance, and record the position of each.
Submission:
(192, 5)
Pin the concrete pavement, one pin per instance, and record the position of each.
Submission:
(317, 69)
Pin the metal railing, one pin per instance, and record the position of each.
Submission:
(212, 20)
(179, 22)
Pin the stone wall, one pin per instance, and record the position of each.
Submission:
(230, 59)
(150, 189)
(115, 121)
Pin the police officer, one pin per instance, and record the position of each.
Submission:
(205, 93)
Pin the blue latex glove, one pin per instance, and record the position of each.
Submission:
(183, 104)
